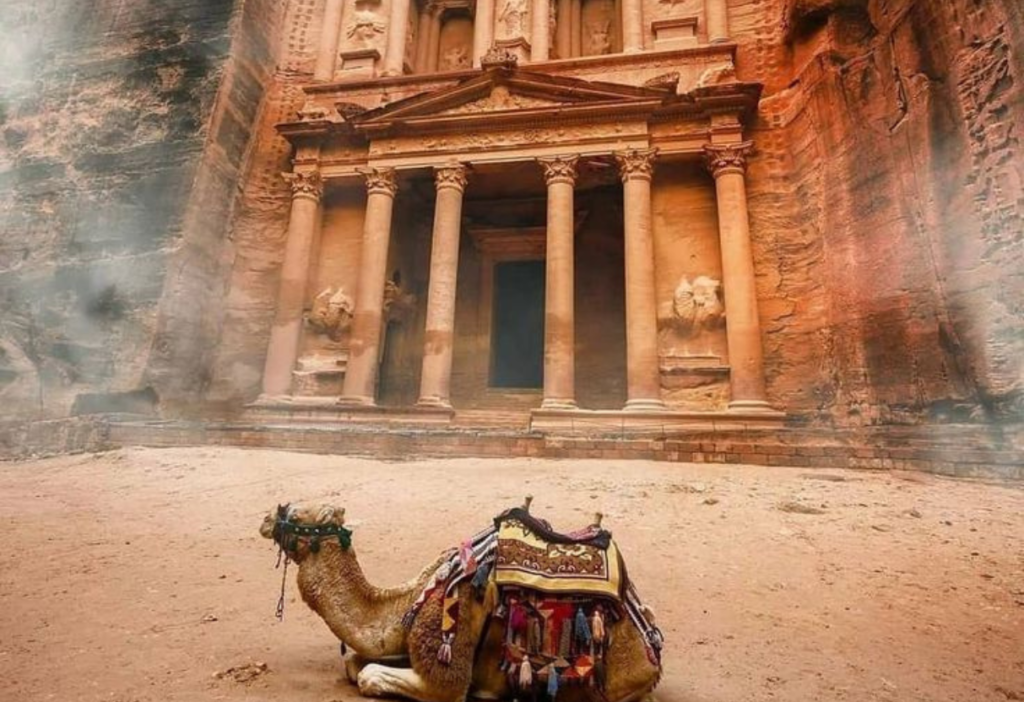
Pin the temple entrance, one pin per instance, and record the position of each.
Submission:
(517, 330)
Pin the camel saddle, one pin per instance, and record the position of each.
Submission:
(531, 555)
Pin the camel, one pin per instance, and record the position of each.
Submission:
(390, 659)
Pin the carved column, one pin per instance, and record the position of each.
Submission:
(540, 34)
(576, 21)
(563, 29)
(330, 33)
(632, 26)
(483, 30)
(716, 15)
(423, 39)
(643, 377)
(361, 375)
(283, 349)
(727, 164)
(559, 305)
(435, 380)
(434, 39)
(398, 26)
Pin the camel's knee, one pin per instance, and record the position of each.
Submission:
(372, 680)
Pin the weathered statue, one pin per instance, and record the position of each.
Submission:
(698, 305)
(514, 17)
(331, 313)
(599, 37)
(366, 27)
(454, 58)
(495, 618)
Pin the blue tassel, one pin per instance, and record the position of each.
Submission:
(553, 683)
(483, 571)
(582, 628)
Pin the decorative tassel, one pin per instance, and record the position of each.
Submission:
(597, 626)
(582, 629)
(553, 683)
(599, 673)
(526, 675)
(517, 618)
(533, 636)
(480, 580)
(444, 654)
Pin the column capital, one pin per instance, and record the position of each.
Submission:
(721, 159)
(380, 180)
(305, 184)
(451, 175)
(559, 169)
(636, 163)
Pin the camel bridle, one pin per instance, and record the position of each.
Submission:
(288, 534)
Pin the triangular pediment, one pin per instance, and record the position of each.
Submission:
(507, 93)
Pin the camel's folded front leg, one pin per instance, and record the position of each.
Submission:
(381, 681)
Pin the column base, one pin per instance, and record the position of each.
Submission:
(642, 405)
(553, 403)
(434, 402)
(751, 406)
(356, 401)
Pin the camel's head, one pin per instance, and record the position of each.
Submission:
(300, 529)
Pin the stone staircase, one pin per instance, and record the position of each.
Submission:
(513, 420)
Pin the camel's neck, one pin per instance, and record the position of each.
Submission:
(367, 618)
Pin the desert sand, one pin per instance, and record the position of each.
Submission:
(139, 575)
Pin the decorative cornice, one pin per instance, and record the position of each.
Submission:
(559, 169)
(305, 184)
(452, 175)
(380, 180)
(636, 164)
(721, 159)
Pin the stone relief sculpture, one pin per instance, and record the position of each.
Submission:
(598, 35)
(454, 58)
(513, 16)
(365, 29)
(716, 75)
(331, 313)
(698, 305)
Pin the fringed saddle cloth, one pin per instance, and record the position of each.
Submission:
(556, 596)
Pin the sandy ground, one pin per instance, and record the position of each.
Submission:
(135, 576)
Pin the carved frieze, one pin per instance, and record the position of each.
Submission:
(721, 159)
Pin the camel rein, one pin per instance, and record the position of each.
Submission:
(287, 535)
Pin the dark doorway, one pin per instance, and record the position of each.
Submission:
(517, 329)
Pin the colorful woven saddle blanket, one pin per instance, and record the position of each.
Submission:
(529, 562)
(529, 554)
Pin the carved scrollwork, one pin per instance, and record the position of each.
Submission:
(727, 158)
(331, 313)
(636, 163)
(380, 180)
(452, 175)
(559, 169)
(697, 305)
(307, 184)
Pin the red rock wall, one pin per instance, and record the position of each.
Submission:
(123, 127)
(886, 205)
